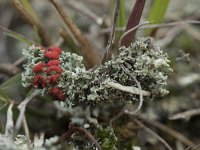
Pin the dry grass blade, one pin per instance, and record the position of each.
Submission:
(46, 41)
(25, 126)
(9, 131)
(170, 131)
(186, 114)
(83, 9)
(16, 35)
(153, 133)
(9, 69)
(89, 54)
(192, 31)
(162, 25)
(22, 109)
(110, 41)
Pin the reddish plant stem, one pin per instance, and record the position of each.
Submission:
(72, 129)
(133, 21)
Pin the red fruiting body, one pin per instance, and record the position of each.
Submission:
(51, 54)
(53, 78)
(52, 63)
(56, 69)
(57, 93)
(39, 67)
(55, 49)
(51, 72)
(39, 81)
(61, 96)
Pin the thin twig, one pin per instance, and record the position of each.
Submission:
(193, 147)
(4, 105)
(192, 31)
(169, 37)
(9, 69)
(186, 114)
(19, 61)
(16, 35)
(22, 108)
(110, 41)
(171, 24)
(140, 91)
(168, 130)
(153, 133)
(90, 57)
(46, 41)
(131, 30)
(25, 125)
(72, 129)
(163, 25)
(83, 9)
(115, 118)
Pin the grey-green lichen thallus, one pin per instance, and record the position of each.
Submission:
(116, 80)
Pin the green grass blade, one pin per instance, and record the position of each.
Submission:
(121, 22)
(29, 8)
(12, 82)
(157, 12)
(3, 96)
(3, 106)
(16, 36)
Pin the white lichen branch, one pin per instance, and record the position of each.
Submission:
(9, 124)
(22, 108)
(129, 89)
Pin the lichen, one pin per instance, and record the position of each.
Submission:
(142, 60)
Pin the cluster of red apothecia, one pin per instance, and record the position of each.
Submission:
(47, 73)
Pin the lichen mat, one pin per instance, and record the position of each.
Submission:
(63, 76)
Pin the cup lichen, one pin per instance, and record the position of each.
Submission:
(143, 60)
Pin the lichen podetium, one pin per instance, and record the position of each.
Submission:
(63, 75)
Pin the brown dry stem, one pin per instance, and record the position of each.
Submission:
(72, 129)
(153, 133)
(46, 41)
(9, 69)
(170, 131)
(186, 114)
(111, 38)
(89, 54)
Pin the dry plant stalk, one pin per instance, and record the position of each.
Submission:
(153, 133)
(9, 69)
(89, 54)
(46, 41)
(169, 131)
